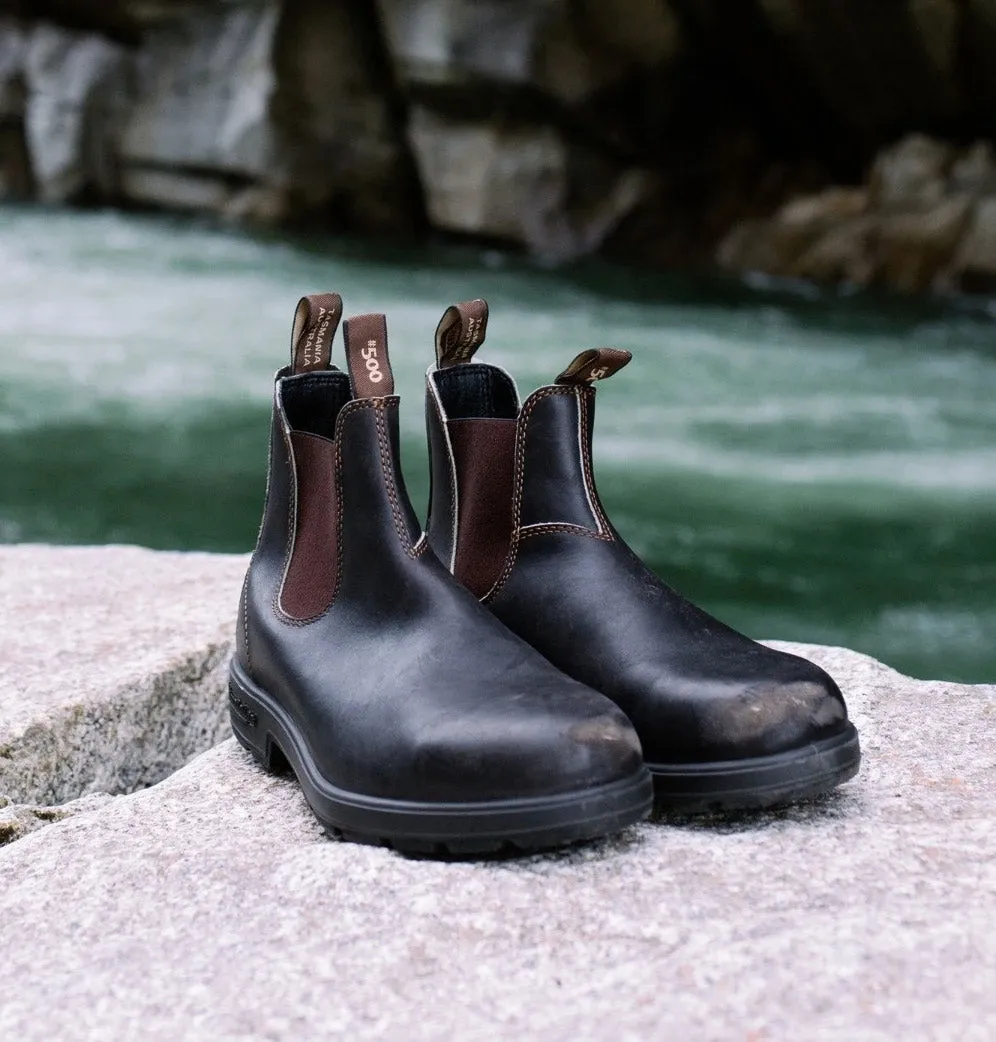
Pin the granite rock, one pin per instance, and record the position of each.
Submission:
(521, 184)
(212, 905)
(923, 221)
(18, 819)
(77, 90)
(203, 88)
(112, 668)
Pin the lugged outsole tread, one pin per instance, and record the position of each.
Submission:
(455, 850)
(795, 781)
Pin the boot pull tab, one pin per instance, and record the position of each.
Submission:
(315, 322)
(461, 332)
(369, 367)
(597, 364)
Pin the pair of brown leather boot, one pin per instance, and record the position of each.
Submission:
(514, 677)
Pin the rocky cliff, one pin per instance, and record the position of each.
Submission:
(655, 131)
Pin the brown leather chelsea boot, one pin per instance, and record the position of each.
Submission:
(514, 513)
(409, 713)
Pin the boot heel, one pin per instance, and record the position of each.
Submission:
(249, 728)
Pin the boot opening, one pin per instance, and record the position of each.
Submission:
(476, 391)
(312, 401)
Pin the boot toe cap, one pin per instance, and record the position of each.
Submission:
(734, 718)
(770, 717)
(557, 750)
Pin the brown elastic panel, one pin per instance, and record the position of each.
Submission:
(484, 454)
(309, 585)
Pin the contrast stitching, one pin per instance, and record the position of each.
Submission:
(562, 526)
(244, 607)
(337, 488)
(392, 492)
(291, 529)
(520, 452)
(585, 396)
(451, 459)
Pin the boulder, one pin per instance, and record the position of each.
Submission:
(924, 221)
(212, 905)
(537, 99)
(203, 84)
(520, 183)
(974, 172)
(840, 254)
(973, 268)
(339, 122)
(793, 237)
(566, 51)
(911, 174)
(114, 666)
(910, 249)
(176, 189)
(17, 820)
(77, 87)
(269, 110)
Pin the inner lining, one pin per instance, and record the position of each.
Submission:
(475, 391)
(312, 401)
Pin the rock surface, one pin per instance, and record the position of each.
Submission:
(18, 819)
(77, 92)
(520, 185)
(925, 220)
(203, 87)
(659, 131)
(15, 167)
(664, 131)
(211, 905)
(112, 666)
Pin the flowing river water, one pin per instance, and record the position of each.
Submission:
(807, 466)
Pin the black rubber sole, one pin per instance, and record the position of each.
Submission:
(765, 781)
(494, 827)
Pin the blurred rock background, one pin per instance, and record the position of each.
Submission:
(837, 140)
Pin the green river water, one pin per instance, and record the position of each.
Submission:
(807, 466)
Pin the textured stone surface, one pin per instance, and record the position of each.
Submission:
(76, 96)
(519, 184)
(924, 221)
(212, 906)
(668, 132)
(18, 819)
(112, 666)
(568, 51)
(204, 83)
(15, 173)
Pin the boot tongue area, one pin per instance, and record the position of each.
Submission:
(365, 338)
(597, 364)
(315, 323)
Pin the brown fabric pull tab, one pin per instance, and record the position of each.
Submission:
(461, 332)
(366, 356)
(594, 365)
(315, 322)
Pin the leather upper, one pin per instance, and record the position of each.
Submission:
(405, 685)
(696, 690)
